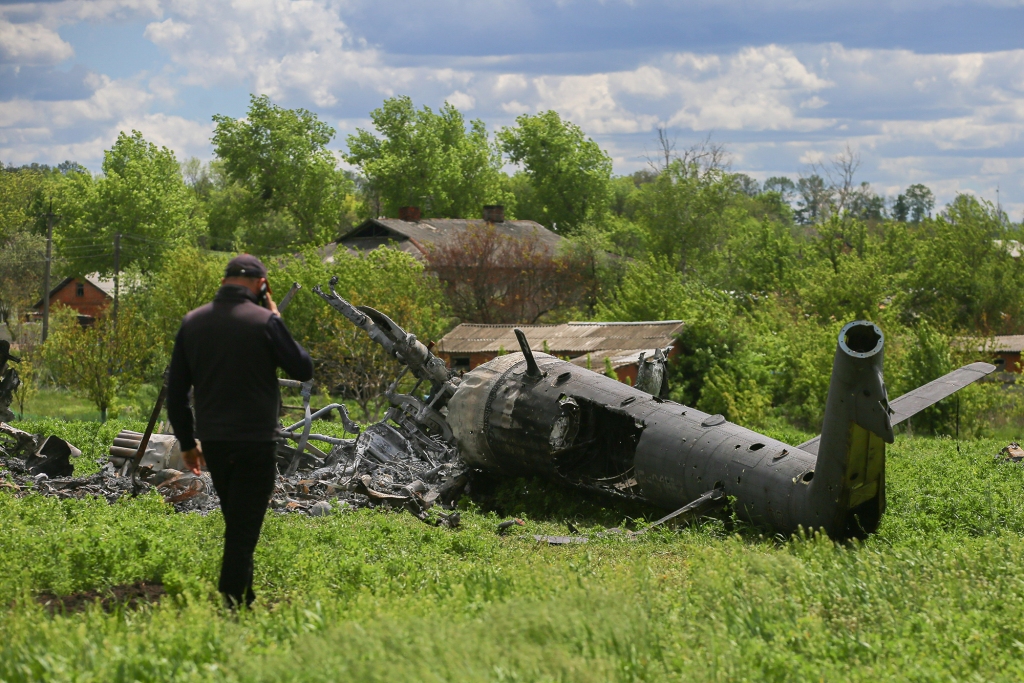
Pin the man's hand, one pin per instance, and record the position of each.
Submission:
(271, 305)
(194, 460)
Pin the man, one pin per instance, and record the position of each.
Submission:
(229, 351)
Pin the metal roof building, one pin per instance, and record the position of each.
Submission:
(469, 345)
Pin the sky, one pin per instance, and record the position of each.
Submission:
(923, 91)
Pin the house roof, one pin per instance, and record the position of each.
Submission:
(567, 339)
(1007, 343)
(415, 237)
(105, 285)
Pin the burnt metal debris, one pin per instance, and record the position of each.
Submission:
(9, 380)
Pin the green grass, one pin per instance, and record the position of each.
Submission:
(937, 594)
(59, 404)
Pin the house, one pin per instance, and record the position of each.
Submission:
(415, 235)
(87, 295)
(584, 344)
(1005, 351)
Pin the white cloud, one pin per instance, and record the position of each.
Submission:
(590, 102)
(286, 49)
(184, 136)
(507, 84)
(461, 100)
(54, 14)
(755, 89)
(31, 44)
(166, 31)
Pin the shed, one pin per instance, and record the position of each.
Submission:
(1006, 350)
(583, 343)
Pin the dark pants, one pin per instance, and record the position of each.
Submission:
(244, 475)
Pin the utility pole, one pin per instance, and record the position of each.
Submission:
(46, 272)
(117, 271)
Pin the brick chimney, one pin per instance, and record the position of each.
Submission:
(409, 213)
(494, 213)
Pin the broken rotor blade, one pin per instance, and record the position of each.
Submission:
(355, 316)
(705, 503)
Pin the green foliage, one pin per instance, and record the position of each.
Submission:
(140, 196)
(569, 173)
(649, 290)
(427, 160)
(28, 374)
(289, 182)
(683, 212)
(101, 361)
(914, 205)
(187, 278)
(761, 257)
(961, 278)
(22, 259)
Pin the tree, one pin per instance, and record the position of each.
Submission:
(141, 197)
(760, 258)
(746, 184)
(427, 160)
(29, 384)
(22, 260)
(683, 212)
(914, 205)
(866, 205)
(19, 188)
(279, 159)
(781, 185)
(815, 202)
(962, 278)
(569, 172)
(102, 361)
(489, 277)
(187, 279)
(651, 289)
(197, 177)
(839, 174)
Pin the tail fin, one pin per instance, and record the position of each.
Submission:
(849, 477)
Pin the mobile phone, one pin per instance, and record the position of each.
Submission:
(262, 298)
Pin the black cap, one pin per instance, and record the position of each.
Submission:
(245, 265)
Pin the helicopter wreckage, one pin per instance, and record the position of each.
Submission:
(532, 414)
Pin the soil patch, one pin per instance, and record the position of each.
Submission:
(128, 595)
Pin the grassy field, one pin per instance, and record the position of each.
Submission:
(937, 594)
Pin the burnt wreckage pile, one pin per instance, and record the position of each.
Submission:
(28, 460)
(407, 460)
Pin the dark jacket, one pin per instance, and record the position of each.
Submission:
(229, 351)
